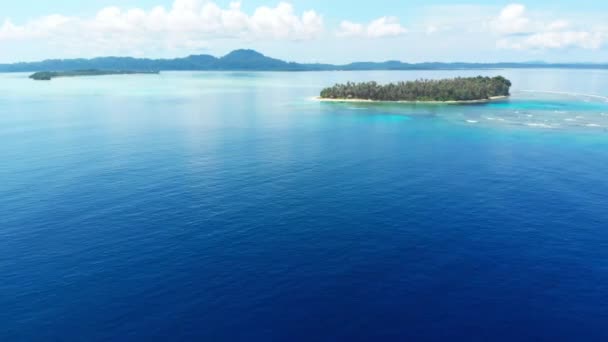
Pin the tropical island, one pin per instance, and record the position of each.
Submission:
(454, 90)
(49, 75)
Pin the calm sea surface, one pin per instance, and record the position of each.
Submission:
(232, 207)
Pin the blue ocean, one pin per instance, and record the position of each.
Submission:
(210, 206)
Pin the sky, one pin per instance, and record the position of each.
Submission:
(335, 31)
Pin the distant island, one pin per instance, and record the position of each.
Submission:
(249, 60)
(49, 75)
(457, 90)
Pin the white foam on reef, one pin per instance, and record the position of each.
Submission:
(592, 125)
(489, 118)
(566, 93)
(472, 121)
(538, 124)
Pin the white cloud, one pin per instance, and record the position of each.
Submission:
(555, 40)
(381, 27)
(520, 32)
(187, 23)
(511, 20)
(281, 22)
(34, 29)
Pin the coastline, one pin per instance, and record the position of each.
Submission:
(491, 99)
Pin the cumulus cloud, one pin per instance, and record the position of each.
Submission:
(187, 23)
(381, 27)
(555, 40)
(512, 20)
(34, 29)
(520, 32)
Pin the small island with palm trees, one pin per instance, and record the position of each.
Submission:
(454, 90)
(49, 75)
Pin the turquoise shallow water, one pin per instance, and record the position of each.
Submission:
(231, 206)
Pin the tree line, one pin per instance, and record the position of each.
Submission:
(454, 89)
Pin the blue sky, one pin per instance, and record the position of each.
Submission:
(334, 31)
(336, 8)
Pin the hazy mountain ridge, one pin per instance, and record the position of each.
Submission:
(250, 60)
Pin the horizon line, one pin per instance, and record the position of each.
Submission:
(537, 62)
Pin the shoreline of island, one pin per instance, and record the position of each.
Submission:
(491, 99)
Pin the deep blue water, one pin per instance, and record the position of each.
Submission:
(231, 207)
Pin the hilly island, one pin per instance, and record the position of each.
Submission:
(250, 60)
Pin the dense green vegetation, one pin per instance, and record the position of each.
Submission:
(455, 89)
(48, 75)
